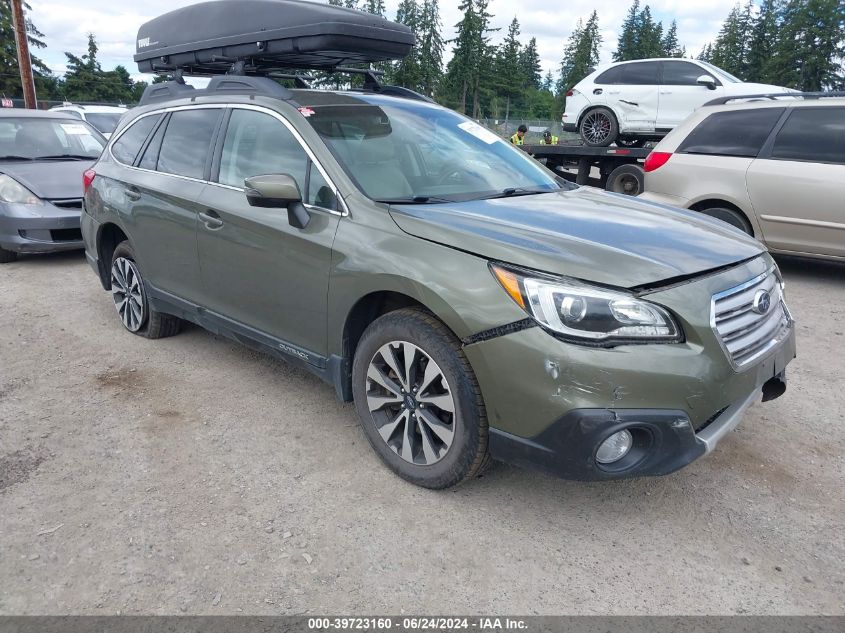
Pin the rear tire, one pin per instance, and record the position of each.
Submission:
(130, 298)
(418, 402)
(731, 216)
(598, 128)
(7, 257)
(626, 179)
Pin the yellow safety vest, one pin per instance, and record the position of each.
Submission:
(516, 140)
(552, 142)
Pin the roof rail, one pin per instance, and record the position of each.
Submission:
(221, 84)
(775, 95)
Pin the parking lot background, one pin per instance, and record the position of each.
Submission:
(192, 475)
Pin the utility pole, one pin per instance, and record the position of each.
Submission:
(27, 81)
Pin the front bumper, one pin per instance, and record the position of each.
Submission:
(557, 402)
(43, 229)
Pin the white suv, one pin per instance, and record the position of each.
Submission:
(774, 169)
(104, 118)
(633, 102)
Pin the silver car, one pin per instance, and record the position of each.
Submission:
(42, 158)
(774, 169)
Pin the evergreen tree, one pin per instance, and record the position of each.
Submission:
(649, 36)
(808, 54)
(470, 68)
(670, 45)
(730, 50)
(10, 78)
(706, 54)
(581, 52)
(530, 67)
(430, 43)
(508, 77)
(376, 7)
(85, 80)
(406, 71)
(764, 36)
(626, 45)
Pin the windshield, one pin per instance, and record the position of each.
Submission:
(25, 138)
(726, 76)
(414, 151)
(106, 122)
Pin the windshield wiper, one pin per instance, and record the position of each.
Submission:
(65, 157)
(13, 157)
(415, 200)
(516, 191)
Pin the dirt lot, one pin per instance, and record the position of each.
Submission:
(192, 475)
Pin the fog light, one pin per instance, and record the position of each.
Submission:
(614, 448)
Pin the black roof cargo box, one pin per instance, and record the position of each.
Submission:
(266, 35)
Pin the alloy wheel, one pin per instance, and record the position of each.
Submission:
(128, 293)
(596, 127)
(411, 403)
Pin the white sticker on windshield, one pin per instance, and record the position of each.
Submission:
(479, 132)
(75, 129)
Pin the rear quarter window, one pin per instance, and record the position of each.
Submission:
(610, 76)
(812, 134)
(734, 133)
(126, 148)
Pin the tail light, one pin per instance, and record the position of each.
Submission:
(570, 92)
(656, 160)
(87, 178)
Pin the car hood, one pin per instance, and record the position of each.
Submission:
(50, 180)
(584, 233)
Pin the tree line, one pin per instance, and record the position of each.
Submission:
(793, 43)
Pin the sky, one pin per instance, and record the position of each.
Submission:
(115, 23)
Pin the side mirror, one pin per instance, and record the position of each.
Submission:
(706, 80)
(277, 191)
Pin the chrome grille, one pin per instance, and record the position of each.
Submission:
(745, 333)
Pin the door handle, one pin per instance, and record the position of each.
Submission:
(133, 194)
(597, 91)
(211, 219)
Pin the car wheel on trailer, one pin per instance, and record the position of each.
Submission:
(731, 216)
(627, 179)
(418, 402)
(598, 128)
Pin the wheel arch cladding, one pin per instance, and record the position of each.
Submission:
(110, 235)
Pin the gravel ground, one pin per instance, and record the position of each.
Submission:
(193, 475)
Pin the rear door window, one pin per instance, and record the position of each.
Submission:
(733, 133)
(129, 144)
(187, 141)
(812, 134)
(639, 74)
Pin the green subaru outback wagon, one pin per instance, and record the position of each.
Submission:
(470, 302)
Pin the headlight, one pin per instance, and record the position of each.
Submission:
(587, 314)
(13, 191)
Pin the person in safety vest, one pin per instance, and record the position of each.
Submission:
(549, 138)
(519, 137)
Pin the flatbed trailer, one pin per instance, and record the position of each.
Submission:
(620, 168)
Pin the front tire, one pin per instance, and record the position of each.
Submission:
(130, 298)
(598, 128)
(418, 401)
(6, 257)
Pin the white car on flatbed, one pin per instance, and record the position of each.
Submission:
(637, 101)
